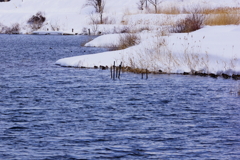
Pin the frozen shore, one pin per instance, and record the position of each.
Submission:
(212, 49)
(208, 50)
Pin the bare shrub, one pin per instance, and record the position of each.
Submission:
(155, 3)
(99, 6)
(2, 28)
(108, 20)
(94, 23)
(54, 26)
(84, 31)
(14, 29)
(141, 3)
(128, 40)
(36, 21)
(143, 28)
(125, 29)
(191, 23)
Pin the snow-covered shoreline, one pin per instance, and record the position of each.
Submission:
(212, 49)
(209, 50)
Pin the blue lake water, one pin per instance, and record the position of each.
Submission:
(52, 112)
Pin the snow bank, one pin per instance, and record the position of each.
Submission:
(209, 50)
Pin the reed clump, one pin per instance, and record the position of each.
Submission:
(222, 16)
(135, 70)
(170, 10)
(222, 19)
(127, 40)
(192, 22)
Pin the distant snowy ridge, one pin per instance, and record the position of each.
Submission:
(73, 14)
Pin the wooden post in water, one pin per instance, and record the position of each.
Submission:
(120, 67)
(89, 32)
(111, 71)
(114, 70)
(146, 74)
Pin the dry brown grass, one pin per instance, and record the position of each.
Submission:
(217, 16)
(221, 10)
(222, 19)
(126, 40)
(222, 16)
(170, 10)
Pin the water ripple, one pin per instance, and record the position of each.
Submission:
(50, 112)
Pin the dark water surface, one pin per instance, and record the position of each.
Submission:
(51, 112)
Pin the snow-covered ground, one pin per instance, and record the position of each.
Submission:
(212, 49)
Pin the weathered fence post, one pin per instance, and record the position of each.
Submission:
(116, 72)
(89, 32)
(120, 67)
(113, 70)
(146, 74)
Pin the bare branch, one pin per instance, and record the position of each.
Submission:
(155, 3)
(99, 6)
(140, 4)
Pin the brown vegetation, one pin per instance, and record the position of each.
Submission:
(191, 23)
(14, 29)
(36, 21)
(127, 40)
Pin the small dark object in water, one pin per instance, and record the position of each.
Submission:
(203, 74)
(95, 67)
(236, 77)
(103, 67)
(200, 74)
(225, 76)
(213, 75)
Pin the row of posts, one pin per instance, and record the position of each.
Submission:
(116, 71)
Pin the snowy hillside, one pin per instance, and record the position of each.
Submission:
(73, 14)
(212, 49)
